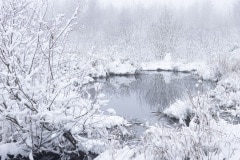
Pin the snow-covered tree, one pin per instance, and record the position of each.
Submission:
(44, 102)
(162, 34)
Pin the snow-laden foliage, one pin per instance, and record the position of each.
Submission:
(106, 66)
(206, 139)
(44, 100)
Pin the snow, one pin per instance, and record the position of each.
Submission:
(122, 154)
(218, 140)
(231, 80)
(100, 121)
(94, 145)
(167, 64)
(10, 149)
(122, 67)
(31, 156)
(216, 136)
(44, 83)
(111, 111)
(226, 94)
(104, 67)
(179, 109)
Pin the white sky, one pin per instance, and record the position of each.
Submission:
(218, 5)
(124, 3)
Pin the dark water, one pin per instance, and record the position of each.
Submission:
(140, 97)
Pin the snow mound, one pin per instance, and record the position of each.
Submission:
(180, 110)
(100, 121)
(122, 154)
(167, 64)
(10, 149)
(122, 67)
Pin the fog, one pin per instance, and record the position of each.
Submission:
(219, 5)
(146, 30)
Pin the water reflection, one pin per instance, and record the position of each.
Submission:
(137, 97)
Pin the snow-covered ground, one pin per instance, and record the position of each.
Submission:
(105, 67)
(11, 149)
(215, 140)
(223, 63)
(167, 64)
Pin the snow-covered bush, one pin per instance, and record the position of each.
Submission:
(227, 62)
(44, 102)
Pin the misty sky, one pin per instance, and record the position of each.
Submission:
(222, 7)
(219, 5)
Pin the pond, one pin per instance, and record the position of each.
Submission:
(143, 97)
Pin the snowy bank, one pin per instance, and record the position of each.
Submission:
(167, 64)
(124, 66)
(11, 149)
(224, 99)
(106, 67)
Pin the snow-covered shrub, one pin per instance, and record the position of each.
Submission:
(211, 140)
(44, 102)
(101, 66)
(226, 63)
